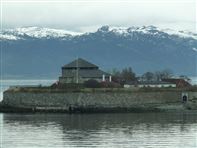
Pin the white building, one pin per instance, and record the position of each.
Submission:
(153, 84)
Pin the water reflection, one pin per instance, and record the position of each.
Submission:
(100, 130)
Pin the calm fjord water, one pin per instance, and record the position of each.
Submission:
(132, 130)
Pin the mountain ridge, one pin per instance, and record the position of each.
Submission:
(41, 32)
(142, 48)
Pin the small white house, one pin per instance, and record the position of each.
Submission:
(153, 84)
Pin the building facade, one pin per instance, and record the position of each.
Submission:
(153, 84)
(180, 82)
(80, 70)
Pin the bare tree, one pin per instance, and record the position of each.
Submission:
(166, 73)
(115, 72)
(128, 75)
(148, 76)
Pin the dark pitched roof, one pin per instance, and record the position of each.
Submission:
(80, 63)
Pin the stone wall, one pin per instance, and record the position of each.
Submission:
(91, 100)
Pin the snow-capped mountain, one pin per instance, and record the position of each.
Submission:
(40, 52)
(148, 30)
(35, 32)
(39, 32)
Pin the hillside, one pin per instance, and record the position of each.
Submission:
(33, 52)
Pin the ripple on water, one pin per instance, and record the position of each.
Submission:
(140, 130)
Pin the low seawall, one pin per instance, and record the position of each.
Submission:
(95, 101)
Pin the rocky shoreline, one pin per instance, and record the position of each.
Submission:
(170, 107)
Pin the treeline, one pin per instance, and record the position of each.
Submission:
(124, 75)
(157, 75)
(127, 74)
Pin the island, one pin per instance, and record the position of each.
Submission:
(84, 88)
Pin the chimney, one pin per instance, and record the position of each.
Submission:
(103, 78)
(110, 79)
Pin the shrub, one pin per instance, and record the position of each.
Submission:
(66, 86)
(108, 84)
(91, 84)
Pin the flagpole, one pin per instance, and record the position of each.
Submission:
(77, 72)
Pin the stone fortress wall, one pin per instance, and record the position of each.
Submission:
(93, 100)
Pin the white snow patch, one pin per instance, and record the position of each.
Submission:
(38, 32)
(150, 30)
(194, 49)
(184, 34)
(8, 37)
(127, 31)
(44, 32)
(119, 30)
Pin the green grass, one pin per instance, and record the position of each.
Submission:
(92, 90)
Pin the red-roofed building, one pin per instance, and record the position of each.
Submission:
(180, 83)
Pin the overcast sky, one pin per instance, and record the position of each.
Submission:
(79, 15)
